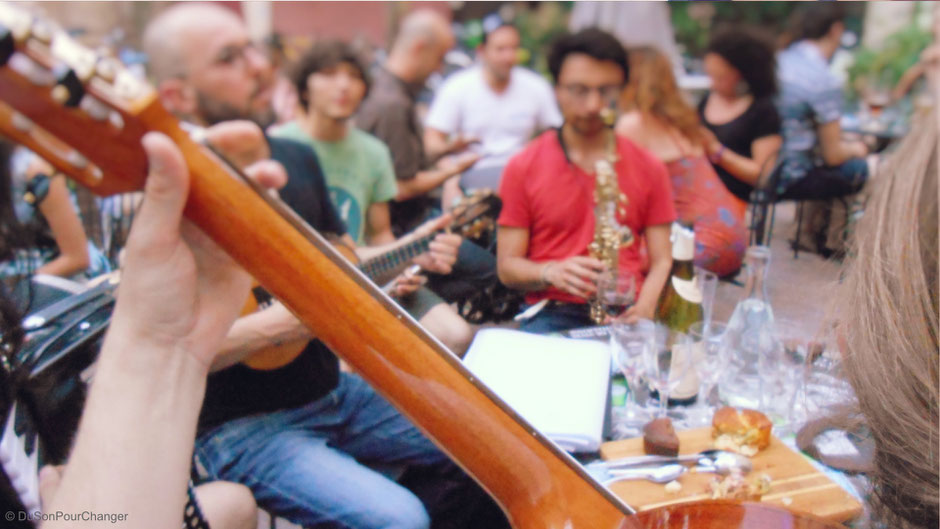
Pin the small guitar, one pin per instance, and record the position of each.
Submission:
(473, 215)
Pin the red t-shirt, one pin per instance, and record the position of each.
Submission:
(554, 199)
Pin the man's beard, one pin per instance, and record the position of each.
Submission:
(587, 126)
(213, 112)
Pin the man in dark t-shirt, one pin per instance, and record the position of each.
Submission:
(238, 390)
(303, 437)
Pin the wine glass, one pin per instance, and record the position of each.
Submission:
(616, 292)
(782, 381)
(708, 284)
(709, 358)
(667, 363)
(630, 344)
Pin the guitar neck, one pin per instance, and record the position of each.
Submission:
(382, 265)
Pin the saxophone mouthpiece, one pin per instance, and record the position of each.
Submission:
(609, 116)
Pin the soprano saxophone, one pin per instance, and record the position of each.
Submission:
(609, 201)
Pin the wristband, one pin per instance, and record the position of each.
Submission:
(716, 158)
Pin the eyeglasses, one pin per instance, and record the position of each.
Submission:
(233, 53)
(582, 92)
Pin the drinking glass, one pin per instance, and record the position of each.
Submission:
(630, 343)
(667, 363)
(782, 380)
(709, 359)
(616, 292)
(708, 284)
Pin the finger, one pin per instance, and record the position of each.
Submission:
(242, 142)
(578, 286)
(589, 262)
(164, 193)
(49, 479)
(449, 239)
(584, 273)
(442, 249)
(435, 224)
(268, 173)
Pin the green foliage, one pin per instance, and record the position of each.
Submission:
(538, 27)
(901, 50)
(693, 21)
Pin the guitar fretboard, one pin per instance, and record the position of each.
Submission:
(381, 265)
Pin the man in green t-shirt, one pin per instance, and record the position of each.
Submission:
(359, 172)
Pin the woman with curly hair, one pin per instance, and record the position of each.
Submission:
(739, 113)
(659, 119)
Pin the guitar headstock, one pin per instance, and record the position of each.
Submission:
(77, 108)
(476, 214)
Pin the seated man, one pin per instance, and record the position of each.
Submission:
(304, 437)
(331, 80)
(389, 113)
(547, 219)
(496, 102)
(818, 164)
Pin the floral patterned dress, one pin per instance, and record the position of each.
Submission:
(702, 201)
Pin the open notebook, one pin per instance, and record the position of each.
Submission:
(557, 384)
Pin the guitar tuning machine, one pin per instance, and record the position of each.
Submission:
(7, 45)
(106, 68)
(42, 31)
(68, 90)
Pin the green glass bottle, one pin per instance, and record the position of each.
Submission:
(680, 304)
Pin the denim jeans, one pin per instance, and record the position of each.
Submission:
(557, 317)
(824, 183)
(310, 464)
(474, 270)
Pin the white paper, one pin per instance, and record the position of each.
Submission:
(557, 384)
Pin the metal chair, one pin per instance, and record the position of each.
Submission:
(763, 201)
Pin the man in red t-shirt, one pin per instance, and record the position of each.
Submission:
(547, 219)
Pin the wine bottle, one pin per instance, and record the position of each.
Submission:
(680, 305)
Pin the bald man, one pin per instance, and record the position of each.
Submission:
(388, 113)
(300, 436)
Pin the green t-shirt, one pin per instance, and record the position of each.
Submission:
(358, 171)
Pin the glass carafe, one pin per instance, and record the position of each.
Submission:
(750, 336)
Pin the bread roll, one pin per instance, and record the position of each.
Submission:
(743, 431)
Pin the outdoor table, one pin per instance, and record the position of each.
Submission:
(820, 389)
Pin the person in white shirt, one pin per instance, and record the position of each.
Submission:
(497, 103)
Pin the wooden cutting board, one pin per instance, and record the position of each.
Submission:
(797, 485)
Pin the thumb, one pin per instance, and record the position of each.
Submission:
(49, 479)
(167, 184)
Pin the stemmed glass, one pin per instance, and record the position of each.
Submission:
(616, 292)
(709, 357)
(667, 363)
(782, 380)
(708, 284)
(630, 344)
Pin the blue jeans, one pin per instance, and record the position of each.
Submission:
(474, 270)
(557, 317)
(309, 464)
(824, 183)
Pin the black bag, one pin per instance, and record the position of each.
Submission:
(43, 388)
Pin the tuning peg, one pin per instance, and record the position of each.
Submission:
(42, 31)
(7, 45)
(106, 68)
(68, 90)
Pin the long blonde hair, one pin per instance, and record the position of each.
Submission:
(653, 89)
(889, 320)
